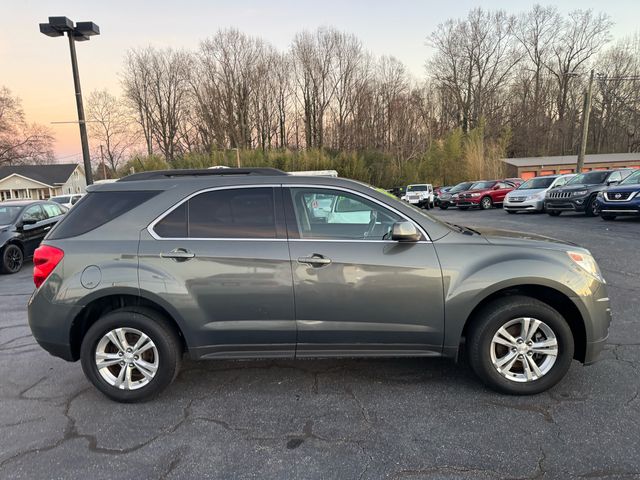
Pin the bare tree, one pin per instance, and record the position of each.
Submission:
(110, 126)
(21, 142)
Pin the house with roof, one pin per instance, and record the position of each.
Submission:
(39, 182)
(530, 167)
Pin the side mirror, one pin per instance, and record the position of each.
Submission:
(29, 221)
(496, 187)
(405, 232)
(613, 182)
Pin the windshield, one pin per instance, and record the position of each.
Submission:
(60, 199)
(9, 213)
(417, 188)
(589, 178)
(632, 179)
(461, 187)
(539, 182)
(482, 185)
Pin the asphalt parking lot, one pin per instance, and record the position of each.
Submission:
(347, 419)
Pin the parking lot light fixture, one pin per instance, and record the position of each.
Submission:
(81, 31)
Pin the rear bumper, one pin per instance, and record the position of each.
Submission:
(50, 325)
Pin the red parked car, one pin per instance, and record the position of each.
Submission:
(486, 193)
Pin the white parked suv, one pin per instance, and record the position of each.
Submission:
(67, 200)
(420, 194)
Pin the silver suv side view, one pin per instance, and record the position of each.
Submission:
(256, 263)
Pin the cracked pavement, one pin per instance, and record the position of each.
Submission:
(325, 419)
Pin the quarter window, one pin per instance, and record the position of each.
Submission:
(52, 209)
(227, 213)
(332, 214)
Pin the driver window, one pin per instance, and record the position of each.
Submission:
(334, 214)
(33, 213)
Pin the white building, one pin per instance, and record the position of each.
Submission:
(39, 182)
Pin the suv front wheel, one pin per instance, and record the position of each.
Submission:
(519, 345)
(131, 354)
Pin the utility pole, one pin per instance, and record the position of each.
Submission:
(104, 167)
(586, 111)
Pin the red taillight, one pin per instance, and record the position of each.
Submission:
(45, 259)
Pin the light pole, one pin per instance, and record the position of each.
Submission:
(80, 32)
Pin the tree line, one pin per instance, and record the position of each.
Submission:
(495, 85)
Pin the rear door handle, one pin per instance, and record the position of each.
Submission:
(315, 260)
(178, 254)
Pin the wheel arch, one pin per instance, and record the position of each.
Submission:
(98, 306)
(546, 294)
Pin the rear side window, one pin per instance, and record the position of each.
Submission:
(229, 213)
(96, 209)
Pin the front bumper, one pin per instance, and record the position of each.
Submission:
(630, 208)
(566, 204)
(597, 319)
(468, 202)
(525, 205)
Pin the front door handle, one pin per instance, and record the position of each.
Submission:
(178, 254)
(315, 260)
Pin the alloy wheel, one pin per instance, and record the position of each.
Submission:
(126, 358)
(524, 349)
(13, 259)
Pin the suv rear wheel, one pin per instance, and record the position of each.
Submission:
(131, 354)
(519, 345)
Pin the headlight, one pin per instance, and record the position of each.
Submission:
(536, 196)
(580, 193)
(475, 194)
(587, 263)
(455, 195)
(599, 195)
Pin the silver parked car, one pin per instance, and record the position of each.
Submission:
(255, 263)
(529, 196)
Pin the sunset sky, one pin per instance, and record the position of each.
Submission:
(38, 70)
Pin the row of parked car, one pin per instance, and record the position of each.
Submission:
(605, 193)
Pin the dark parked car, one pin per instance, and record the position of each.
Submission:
(621, 200)
(251, 264)
(486, 194)
(437, 191)
(448, 199)
(23, 224)
(579, 193)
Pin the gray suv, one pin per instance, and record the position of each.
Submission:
(256, 263)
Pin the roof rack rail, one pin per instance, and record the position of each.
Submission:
(160, 174)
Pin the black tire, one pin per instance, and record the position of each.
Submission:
(443, 206)
(511, 211)
(161, 333)
(591, 208)
(554, 213)
(492, 317)
(486, 203)
(12, 259)
(608, 217)
(463, 208)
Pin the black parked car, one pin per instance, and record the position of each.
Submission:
(23, 225)
(579, 193)
(448, 198)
